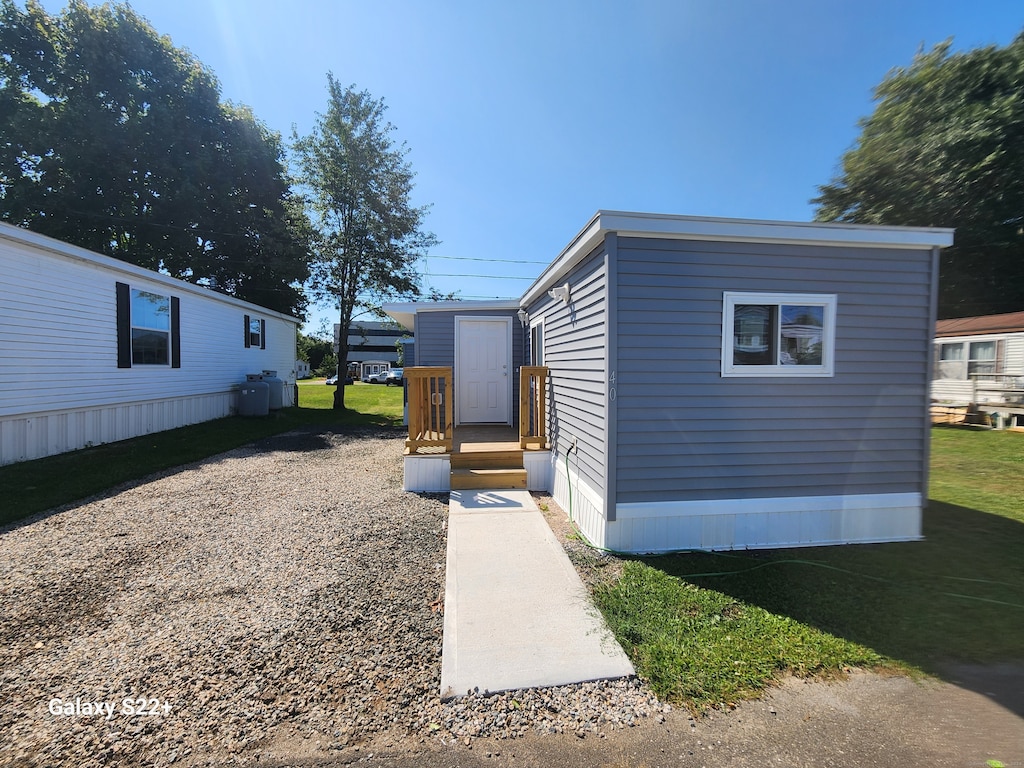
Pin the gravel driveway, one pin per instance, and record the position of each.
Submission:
(280, 601)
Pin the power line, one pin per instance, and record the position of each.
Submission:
(486, 277)
(481, 258)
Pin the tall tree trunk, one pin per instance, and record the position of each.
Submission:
(339, 391)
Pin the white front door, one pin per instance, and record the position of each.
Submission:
(483, 379)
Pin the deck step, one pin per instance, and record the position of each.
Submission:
(487, 479)
(510, 459)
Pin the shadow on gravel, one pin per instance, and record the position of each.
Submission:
(951, 605)
(320, 438)
(303, 439)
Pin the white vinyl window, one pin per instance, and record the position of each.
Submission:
(982, 360)
(778, 334)
(968, 360)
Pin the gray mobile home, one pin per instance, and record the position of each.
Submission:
(722, 384)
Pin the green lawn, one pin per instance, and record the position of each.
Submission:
(711, 628)
(33, 486)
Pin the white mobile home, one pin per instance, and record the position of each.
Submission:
(700, 383)
(95, 350)
(979, 360)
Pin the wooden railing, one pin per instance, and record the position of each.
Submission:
(431, 408)
(533, 413)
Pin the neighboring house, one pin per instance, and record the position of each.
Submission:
(373, 368)
(302, 370)
(371, 341)
(95, 350)
(979, 360)
(712, 383)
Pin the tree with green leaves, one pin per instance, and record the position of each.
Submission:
(313, 350)
(945, 147)
(113, 139)
(357, 184)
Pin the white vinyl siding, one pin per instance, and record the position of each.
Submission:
(47, 289)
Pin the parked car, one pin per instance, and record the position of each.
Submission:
(331, 380)
(376, 378)
(394, 377)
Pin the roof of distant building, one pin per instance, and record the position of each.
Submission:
(1010, 322)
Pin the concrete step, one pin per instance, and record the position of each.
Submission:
(478, 479)
(510, 459)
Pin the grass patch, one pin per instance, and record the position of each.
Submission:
(702, 647)
(369, 400)
(711, 628)
(978, 469)
(33, 486)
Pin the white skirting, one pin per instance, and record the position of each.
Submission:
(770, 523)
(538, 470)
(583, 504)
(35, 435)
(427, 473)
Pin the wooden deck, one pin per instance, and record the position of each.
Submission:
(479, 438)
(484, 456)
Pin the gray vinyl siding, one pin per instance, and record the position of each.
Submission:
(435, 342)
(686, 433)
(574, 352)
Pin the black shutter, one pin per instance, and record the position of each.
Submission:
(124, 326)
(246, 318)
(263, 334)
(175, 332)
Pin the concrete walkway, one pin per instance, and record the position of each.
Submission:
(516, 614)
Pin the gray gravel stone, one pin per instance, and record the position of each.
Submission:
(283, 600)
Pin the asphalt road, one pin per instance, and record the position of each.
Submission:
(864, 720)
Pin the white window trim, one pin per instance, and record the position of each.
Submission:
(967, 341)
(534, 324)
(730, 299)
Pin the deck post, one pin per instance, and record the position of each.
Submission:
(431, 409)
(533, 419)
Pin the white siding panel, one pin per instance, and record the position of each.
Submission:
(765, 523)
(1015, 354)
(539, 466)
(427, 473)
(583, 504)
(53, 432)
(953, 391)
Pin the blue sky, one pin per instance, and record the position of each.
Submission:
(524, 118)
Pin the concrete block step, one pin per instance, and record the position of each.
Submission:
(477, 479)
